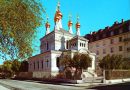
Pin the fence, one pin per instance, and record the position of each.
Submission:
(116, 74)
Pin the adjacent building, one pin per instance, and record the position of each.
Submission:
(111, 40)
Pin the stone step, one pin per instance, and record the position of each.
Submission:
(93, 79)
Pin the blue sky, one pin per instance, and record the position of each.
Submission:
(94, 15)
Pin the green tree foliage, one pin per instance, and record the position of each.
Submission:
(85, 61)
(7, 68)
(79, 62)
(126, 63)
(15, 66)
(66, 60)
(18, 22)
(113, 62)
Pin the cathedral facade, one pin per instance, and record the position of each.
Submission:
(54, 43)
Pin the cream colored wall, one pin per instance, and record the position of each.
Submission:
(59, 36)
(127, 45)
(50, 39)
(40, 58)
(38, 74)
(108, 45)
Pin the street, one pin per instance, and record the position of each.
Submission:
(3, 88)
(34, 85)
(6, 84)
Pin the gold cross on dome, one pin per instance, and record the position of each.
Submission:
(70, 16)
(58, 5)
(47, 17)
(77, 17)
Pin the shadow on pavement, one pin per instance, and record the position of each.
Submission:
(121, 86)
(50, 82)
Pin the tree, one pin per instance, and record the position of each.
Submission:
(126, 63)
(65, 60)
(113, 62)
(7, 68)
(79, 62)
(19, 20)
(15, 66)
(85, 61)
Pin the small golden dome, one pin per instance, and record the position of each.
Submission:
(58, 16)
(77, 25)
(47, 25)
(70, 23)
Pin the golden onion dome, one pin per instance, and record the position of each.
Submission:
(77, 25)
(58, 16)
(47, 25)
(70, 23)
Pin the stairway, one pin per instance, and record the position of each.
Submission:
(93, 80)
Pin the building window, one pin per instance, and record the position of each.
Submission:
(30, 64)
(67, 45)
(47, 46)
(57, 61)
(34, 65)
(104, 35)
(75, 44)
(112, 50)
(120, 39)
(97, 37)
(97, 45)
(112, 33)
(104, 51)
(120, 30)
(104, 43)
(47, 63)
(38, 64)
(97, 52)
(129, 27)
(84, 45)
(120, 48)
(80, 44)
(128, 49)
(42, 64)
(112, 41)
